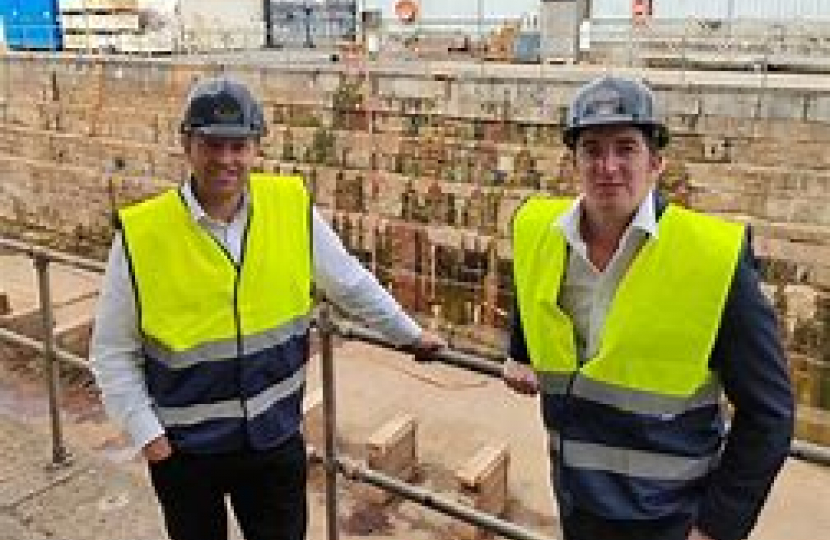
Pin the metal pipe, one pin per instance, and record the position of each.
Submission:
(60, 354)
(811, 453)
(59, 454)
(803, 450)
(357, 470)
(50, 255)
(351, 330)
(326, 329)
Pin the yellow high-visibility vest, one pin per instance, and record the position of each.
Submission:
(664, 317)
(225, 343)
(188, 286)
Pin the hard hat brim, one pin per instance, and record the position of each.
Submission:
(235, 132)
(659, 131)
(609, 120)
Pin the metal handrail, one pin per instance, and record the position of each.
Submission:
(334, 463)
(42, 258)
(359, 471)
(62, 355)
(351, 330)
(803, 450)
(52, 255)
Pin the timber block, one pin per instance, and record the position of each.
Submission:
(392, 450)
(5, 304)
(482, 484)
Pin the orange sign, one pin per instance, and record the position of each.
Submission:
(407, 11)
(641, 11)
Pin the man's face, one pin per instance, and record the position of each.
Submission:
(616, 169)
(220, 165)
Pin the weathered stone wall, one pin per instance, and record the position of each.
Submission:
(420, 173)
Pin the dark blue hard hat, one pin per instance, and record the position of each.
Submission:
(614, 100)
(222, 107)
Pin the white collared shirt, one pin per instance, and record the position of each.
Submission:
(586, 291)
(115, 353)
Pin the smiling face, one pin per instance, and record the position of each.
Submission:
(617, 168)
(220, 165)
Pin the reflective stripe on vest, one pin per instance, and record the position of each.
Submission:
(250, 408)
(226, 348)
(648, 403)
(632, 463)
(224, 343)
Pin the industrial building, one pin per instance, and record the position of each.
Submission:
(537, 30)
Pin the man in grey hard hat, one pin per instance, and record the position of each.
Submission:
(633, 318)
(201, 338)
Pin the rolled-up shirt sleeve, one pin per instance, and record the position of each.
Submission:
(355, 289)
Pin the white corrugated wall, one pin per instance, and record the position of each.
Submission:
(808, 10)
(221, 13)
(222, 24)
(611, 9)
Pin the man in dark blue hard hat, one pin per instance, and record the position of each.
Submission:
(201, 338)
(634, 317)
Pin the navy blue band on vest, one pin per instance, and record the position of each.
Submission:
(226, 404)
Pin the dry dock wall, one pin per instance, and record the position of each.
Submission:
(420, 171)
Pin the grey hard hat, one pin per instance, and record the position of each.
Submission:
(614, 100)
(222, 107)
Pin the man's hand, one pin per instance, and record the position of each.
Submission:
(697, 534)
(157, 450)
(520, 377)
(427, 345)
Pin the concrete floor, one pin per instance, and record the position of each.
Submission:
(105, 496)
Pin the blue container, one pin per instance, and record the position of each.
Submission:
(31, 24)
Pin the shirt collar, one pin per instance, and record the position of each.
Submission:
(198, 213)
(644, 220)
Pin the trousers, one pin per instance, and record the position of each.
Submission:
(266, 490)
(580, 525)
